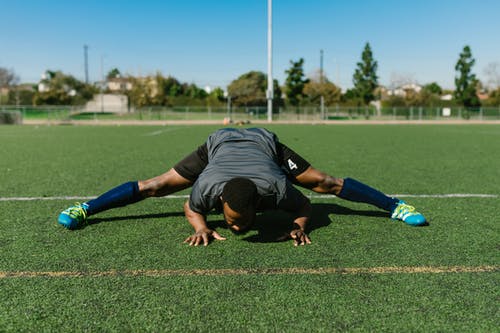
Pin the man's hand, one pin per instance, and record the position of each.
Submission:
(203, 235)
(298, 233)
(299, 237)
(202, 232)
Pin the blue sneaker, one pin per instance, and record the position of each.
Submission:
(407, 214)
(74, 217)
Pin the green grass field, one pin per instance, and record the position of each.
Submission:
(130, 271)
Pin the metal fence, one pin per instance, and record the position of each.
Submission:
(51, 114)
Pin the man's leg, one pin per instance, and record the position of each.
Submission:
(302, 173)
(348, 189)
(132, 192)
(123, 195)
(181, 176)
(353, 190)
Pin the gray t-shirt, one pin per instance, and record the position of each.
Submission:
(249, 153)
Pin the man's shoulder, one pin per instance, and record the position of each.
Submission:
(255, 134)
(242, 131)
(204, 195)
(262, 131)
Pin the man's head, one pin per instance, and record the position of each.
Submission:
(239, 200)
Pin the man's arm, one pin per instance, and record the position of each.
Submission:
(298, 233)
(302, 173)
(201, 231)
(299, 205)
(319, 182)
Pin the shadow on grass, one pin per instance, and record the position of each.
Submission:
(97, 220)
(271, 226)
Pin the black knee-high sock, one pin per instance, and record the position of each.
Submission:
(119, 196)
(359, 192)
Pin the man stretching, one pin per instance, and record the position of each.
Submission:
(241, 172)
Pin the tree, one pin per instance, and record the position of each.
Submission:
(350, 98)
(160, 93)
(295, 82)
(321, 86)
(411, 95)
(21, 95)
(140, 94)
(365, 76)
(494, 98)
(429, 95)
(433, 88)
(113, 74)
(250, 90)
(166, 91)
(172, 87)
(465, 81)
(492, 73)
(7, 78)
(63, 89)
(194, 92)
(216, 97)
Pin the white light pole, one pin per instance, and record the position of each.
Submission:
(270, 87)
(103, 84)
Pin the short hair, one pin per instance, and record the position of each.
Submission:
(240, 194)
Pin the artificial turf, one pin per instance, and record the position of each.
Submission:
(58, 161)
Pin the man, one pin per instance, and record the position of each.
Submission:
(244, 175)
(241, 172)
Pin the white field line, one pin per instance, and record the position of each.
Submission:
(315, 196)
(166, 130)
(80, 198)
(253, 271)
(451, 195)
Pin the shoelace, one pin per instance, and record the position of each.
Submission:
(404, 210)
(77, 212)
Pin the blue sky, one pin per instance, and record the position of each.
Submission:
(213, 42)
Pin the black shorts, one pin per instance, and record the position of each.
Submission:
(191, 166)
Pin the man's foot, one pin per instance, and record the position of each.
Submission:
(407, 214)
(74, 217)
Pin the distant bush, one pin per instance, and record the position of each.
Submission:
(11, 117)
